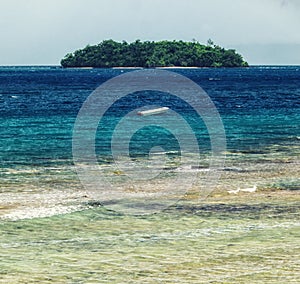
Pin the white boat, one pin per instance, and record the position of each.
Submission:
(153, 111)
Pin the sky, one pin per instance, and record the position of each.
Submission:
(41, 32)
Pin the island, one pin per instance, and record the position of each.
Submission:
(150, 54)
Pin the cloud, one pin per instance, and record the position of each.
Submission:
(286, 3)
(41, 32)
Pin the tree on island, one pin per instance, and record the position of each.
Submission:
(150, 54)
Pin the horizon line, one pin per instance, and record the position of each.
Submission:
(58, 65)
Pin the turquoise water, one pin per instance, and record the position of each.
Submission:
(259, 107)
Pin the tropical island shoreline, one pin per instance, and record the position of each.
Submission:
(150, 54)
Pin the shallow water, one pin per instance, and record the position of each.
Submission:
(233, 243)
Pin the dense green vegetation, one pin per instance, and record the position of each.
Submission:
(149, 54)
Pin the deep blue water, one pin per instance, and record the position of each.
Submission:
(259, 107)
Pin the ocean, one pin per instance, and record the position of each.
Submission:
(56, 229)
(259, 108)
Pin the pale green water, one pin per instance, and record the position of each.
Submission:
(244, 238)
(206, 243)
